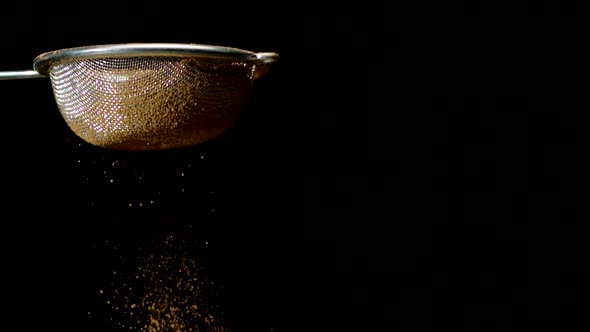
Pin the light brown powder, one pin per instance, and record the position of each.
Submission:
(168, 291)
(150, 103)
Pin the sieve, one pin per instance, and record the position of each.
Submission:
(149, 96)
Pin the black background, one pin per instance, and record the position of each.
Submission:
(382, 173)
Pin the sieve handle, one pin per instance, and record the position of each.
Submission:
(21, 74)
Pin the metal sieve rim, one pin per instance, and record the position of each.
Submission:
(43, 62)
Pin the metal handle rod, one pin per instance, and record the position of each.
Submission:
(19, 74)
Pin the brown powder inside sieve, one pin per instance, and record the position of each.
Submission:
(174, 103)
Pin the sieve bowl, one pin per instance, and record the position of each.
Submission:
(149, 96)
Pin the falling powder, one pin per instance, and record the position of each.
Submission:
(168, 290)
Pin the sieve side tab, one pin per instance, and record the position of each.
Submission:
(263, 61)
(267, 57)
